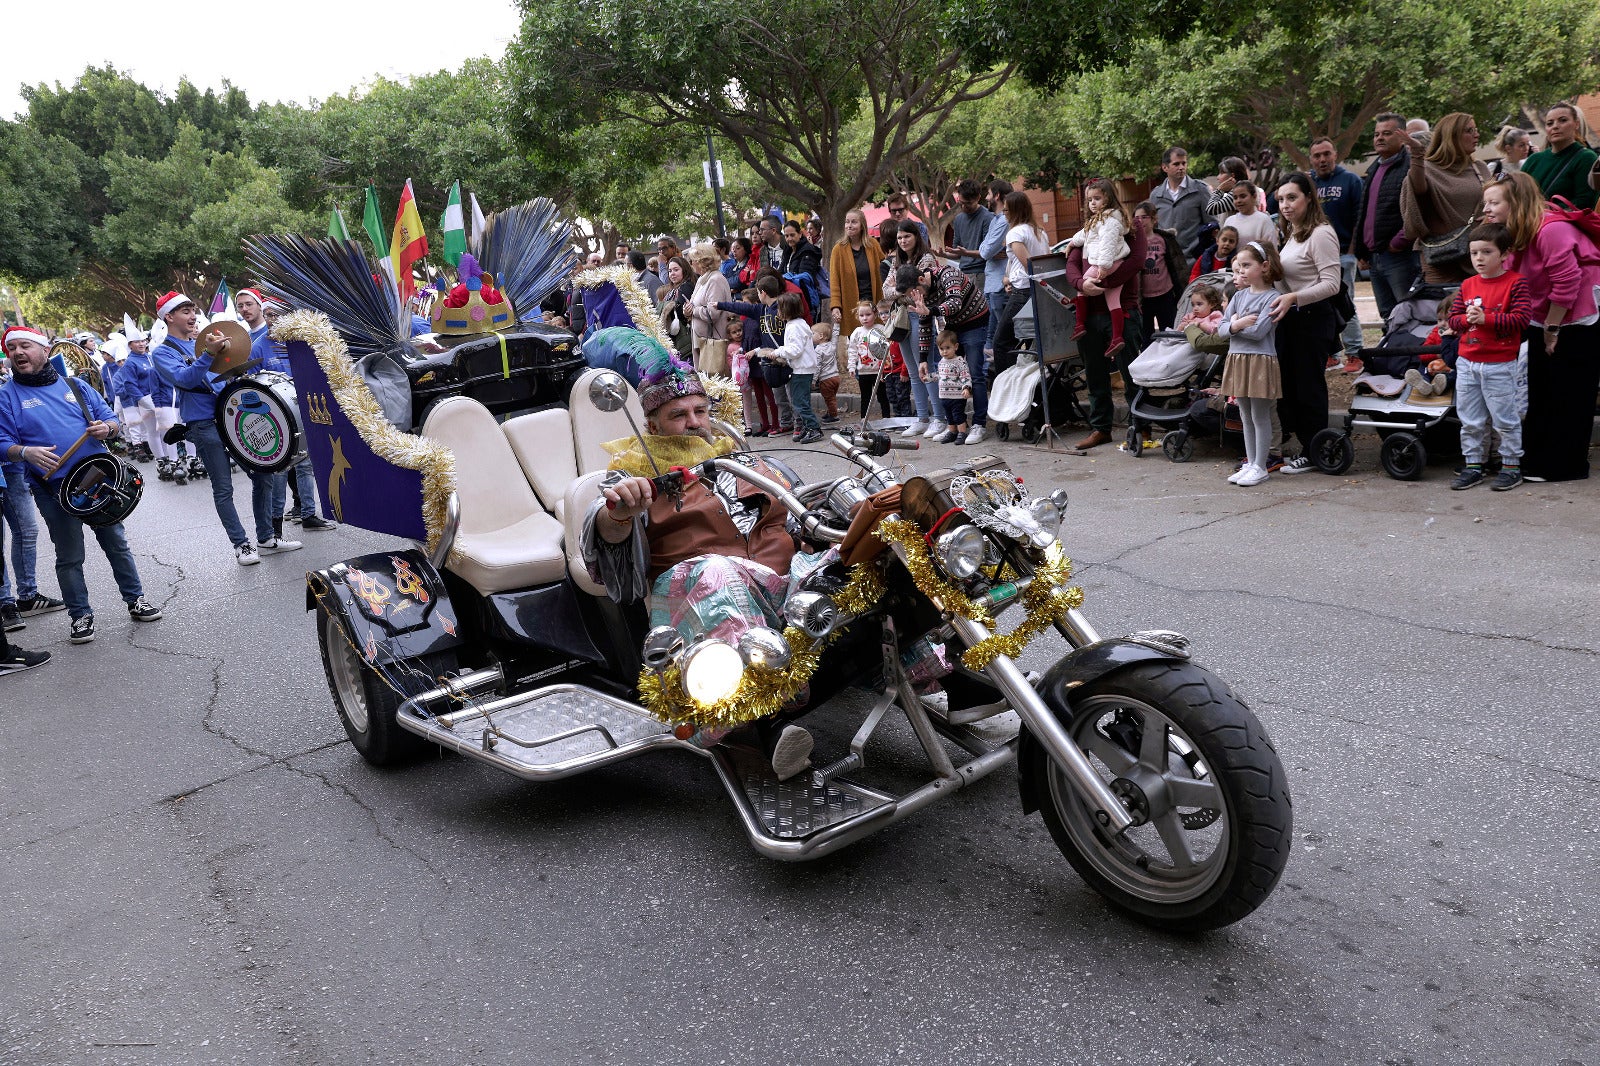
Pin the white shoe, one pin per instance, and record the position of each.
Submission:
(915, 429)
(937, 429)
(246, 555)
(277, 546)
(1252, 475)
(1233, 478)
(976, 435)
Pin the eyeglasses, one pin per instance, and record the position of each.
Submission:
(898, 210)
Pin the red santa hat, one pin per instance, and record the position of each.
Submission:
(170, 302)
(256, 293)
(24, 333)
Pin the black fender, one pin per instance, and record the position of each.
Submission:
(1072, 671)
(392, 605)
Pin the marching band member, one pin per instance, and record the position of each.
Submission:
(274, 355)
(196, 388)
(135, 382)
(13, 660)
(251, 306)
(41, 416)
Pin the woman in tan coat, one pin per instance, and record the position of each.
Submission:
(710, 287)
(1442, 190)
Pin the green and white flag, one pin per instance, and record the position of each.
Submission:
(336, 227)
(455, 233)
(372, 222)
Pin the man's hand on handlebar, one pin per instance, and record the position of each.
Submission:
(628, 499)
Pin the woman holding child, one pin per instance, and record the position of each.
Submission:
(1561, 265)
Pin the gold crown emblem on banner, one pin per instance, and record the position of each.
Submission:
(317, 403)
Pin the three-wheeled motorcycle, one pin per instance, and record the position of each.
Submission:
(1156, 781)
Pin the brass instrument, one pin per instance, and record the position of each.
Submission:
(79, 362)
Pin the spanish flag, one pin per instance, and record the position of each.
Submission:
(409, 244)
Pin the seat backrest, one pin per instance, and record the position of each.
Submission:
(543, 445)
(580, 494)
(490, 485)
(592, 427)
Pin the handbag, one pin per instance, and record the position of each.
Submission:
(713, 357)
(1450, 248)
(900, 323)
(775, 373)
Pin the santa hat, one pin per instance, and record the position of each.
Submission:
(170, 302)
(23, 333)
(256, 293)
(131, 330)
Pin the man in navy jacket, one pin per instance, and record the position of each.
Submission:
(1340, 193)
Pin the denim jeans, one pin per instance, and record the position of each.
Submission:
(997, 303)
(1485, 393)
(910, 348)
(280, 492)
(1392, 275)
(800, 396)
(18, 514)
(1352, 328)
(66, 533)
(208, 444)
(972, 347)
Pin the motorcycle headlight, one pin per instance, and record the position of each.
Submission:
(711, 671)
(960, 551)
(765, 648)
(1048, 511)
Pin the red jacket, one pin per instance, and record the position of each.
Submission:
(1507, 309)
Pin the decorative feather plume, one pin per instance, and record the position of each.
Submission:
(335, 278)
(528, 248)
(637, 356)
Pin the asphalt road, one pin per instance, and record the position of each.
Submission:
(198, 868)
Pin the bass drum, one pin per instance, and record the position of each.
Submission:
(259, 419)
(100, 490)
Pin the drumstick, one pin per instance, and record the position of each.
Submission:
(80, 442)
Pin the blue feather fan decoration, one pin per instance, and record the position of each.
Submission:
(333, 277)
(528, 248)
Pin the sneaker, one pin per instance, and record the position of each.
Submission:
(829, 420)
(15, 660)
(810, 436)
(937, 429)
(1334, 363)
(976, 435)
(1418, 386)
(1441, 384)
(918, 428)
(1274, 463)
(83, 629)
(963, 438)
(784, 429)
(1233, 478)
(1300, 464)
(1508, 478)
(1251, 475)
(11, 618)
(39, 603)
(947, 437)
(246, 555)
(791, 752)
(1353, 366)
(314, 521)
(292, 517)
(1468, 477)
(142, 610)
(277, 546)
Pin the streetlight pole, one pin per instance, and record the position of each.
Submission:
(714, 179)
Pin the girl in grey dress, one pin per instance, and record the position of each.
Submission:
(1251, 373)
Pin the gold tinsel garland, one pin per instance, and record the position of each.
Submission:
(1044, 600)
(635, 299)
(761, 691)
(433, 460)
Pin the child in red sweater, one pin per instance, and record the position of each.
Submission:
(1489, 315)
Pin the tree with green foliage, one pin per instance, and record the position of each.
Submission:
(1328, 71)
(42, 216)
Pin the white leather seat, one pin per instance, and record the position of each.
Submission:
(543, 445)
(580, 494)
(592, 427)
(506, 540)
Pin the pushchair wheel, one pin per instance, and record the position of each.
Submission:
(1403, 457)
(1332, 451)
(1002, 430)
(1030, 433)
(1178, 446)
(1135, 441)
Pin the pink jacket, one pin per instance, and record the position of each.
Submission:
(1562, 267)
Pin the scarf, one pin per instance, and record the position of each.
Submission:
(47, 376)
(628, 455)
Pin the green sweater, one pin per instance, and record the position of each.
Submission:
(1564, 173)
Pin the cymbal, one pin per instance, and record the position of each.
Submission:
(229, 345)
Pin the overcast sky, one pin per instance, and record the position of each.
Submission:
(280, 50)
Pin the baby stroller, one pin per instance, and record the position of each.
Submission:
(1018, 393)
(1409, 425)
(1168, 378)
